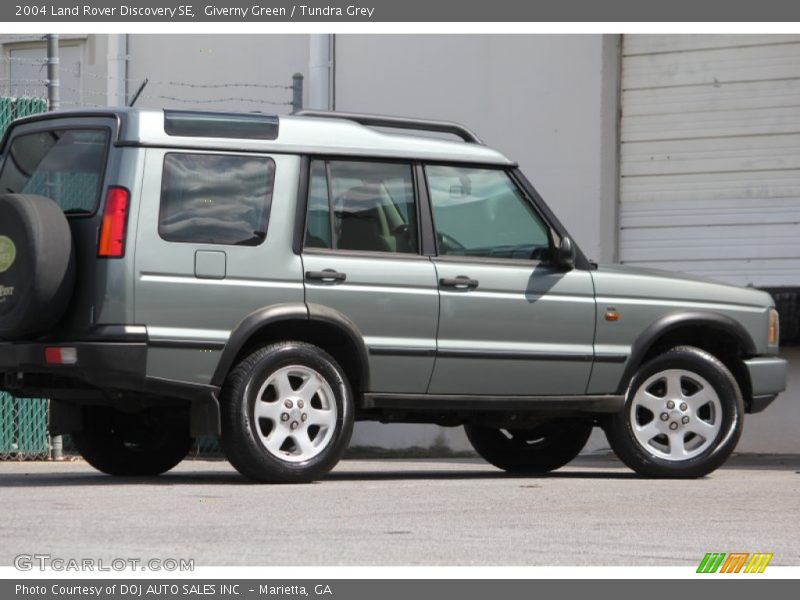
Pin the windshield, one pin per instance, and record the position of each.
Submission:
(65, 165)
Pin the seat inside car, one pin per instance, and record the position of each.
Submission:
(362, 225)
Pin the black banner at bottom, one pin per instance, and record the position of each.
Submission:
(390, 589)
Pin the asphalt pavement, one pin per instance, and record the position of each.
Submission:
(404, 512)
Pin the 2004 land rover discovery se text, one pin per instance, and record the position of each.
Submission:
(269, 280)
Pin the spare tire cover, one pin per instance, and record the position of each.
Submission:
(37, 270)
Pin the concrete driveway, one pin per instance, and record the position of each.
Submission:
(403, 512)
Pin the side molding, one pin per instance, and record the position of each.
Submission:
(673, 321)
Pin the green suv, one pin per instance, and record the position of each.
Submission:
(270, 280)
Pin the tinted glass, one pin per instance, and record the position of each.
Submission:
(216, 199)
(372, 204)
(318, 223)
(480, 212)
(210, 124)
(65, 165)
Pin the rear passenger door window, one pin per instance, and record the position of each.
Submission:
(362, 206)
(216, 198)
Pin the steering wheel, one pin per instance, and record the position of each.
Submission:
(449, 242)
(401, 229)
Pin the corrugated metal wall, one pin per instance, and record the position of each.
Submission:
(710, 156)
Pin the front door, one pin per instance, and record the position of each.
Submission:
(511, 321)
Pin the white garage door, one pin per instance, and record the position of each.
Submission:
(710, 156)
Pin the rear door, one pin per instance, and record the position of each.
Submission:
(362, 258)
(511, 321)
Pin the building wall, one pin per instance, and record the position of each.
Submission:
(212, 66)
(543, 100)
(710, 161)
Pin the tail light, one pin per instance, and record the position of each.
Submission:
(113, 228)
(57, 355)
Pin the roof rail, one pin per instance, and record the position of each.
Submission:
(396, 123)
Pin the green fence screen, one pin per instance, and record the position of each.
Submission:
(14, 108)
(23, 428)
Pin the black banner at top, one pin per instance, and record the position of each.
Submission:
(376, 11)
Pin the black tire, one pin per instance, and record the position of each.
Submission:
(242, 433)
(546, 447)
(145, 443)
(646, 460)
(37, 265)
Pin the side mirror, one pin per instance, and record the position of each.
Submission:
(566, 254)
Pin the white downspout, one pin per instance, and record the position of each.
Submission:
(117, 69)
(320, 72)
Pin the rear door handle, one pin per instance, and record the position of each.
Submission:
(462, 282)
(328, 275)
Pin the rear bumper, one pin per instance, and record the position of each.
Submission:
(113, 360)
(111, 365)
(110, 369)
(767, 380)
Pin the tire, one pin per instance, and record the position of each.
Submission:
(540, 449)
(682, 418)
(277, 429)
(145, 443)
(37, 265)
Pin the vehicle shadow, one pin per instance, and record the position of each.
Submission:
(585, 467)
(33, 480)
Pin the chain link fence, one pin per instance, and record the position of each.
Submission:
(23, 428)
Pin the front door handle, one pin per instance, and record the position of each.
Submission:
(326, 275)
(462, 282)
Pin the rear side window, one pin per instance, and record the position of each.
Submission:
(66, 165)
(216, 199)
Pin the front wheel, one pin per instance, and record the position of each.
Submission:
(539, 449)
(145, 443)
(682, 417)
(287, 414)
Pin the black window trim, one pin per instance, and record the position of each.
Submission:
(268, 204)
(301, 208)
(11, 136)
(305, 186)
(426, 225)
(526, 197)
(581, 262)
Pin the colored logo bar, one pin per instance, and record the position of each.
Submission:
(734, 562)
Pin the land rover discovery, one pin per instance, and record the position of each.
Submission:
(170, 274)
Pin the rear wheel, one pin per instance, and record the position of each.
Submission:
(287, 414)
(149, 442)
(545, 447)
(683, 416)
